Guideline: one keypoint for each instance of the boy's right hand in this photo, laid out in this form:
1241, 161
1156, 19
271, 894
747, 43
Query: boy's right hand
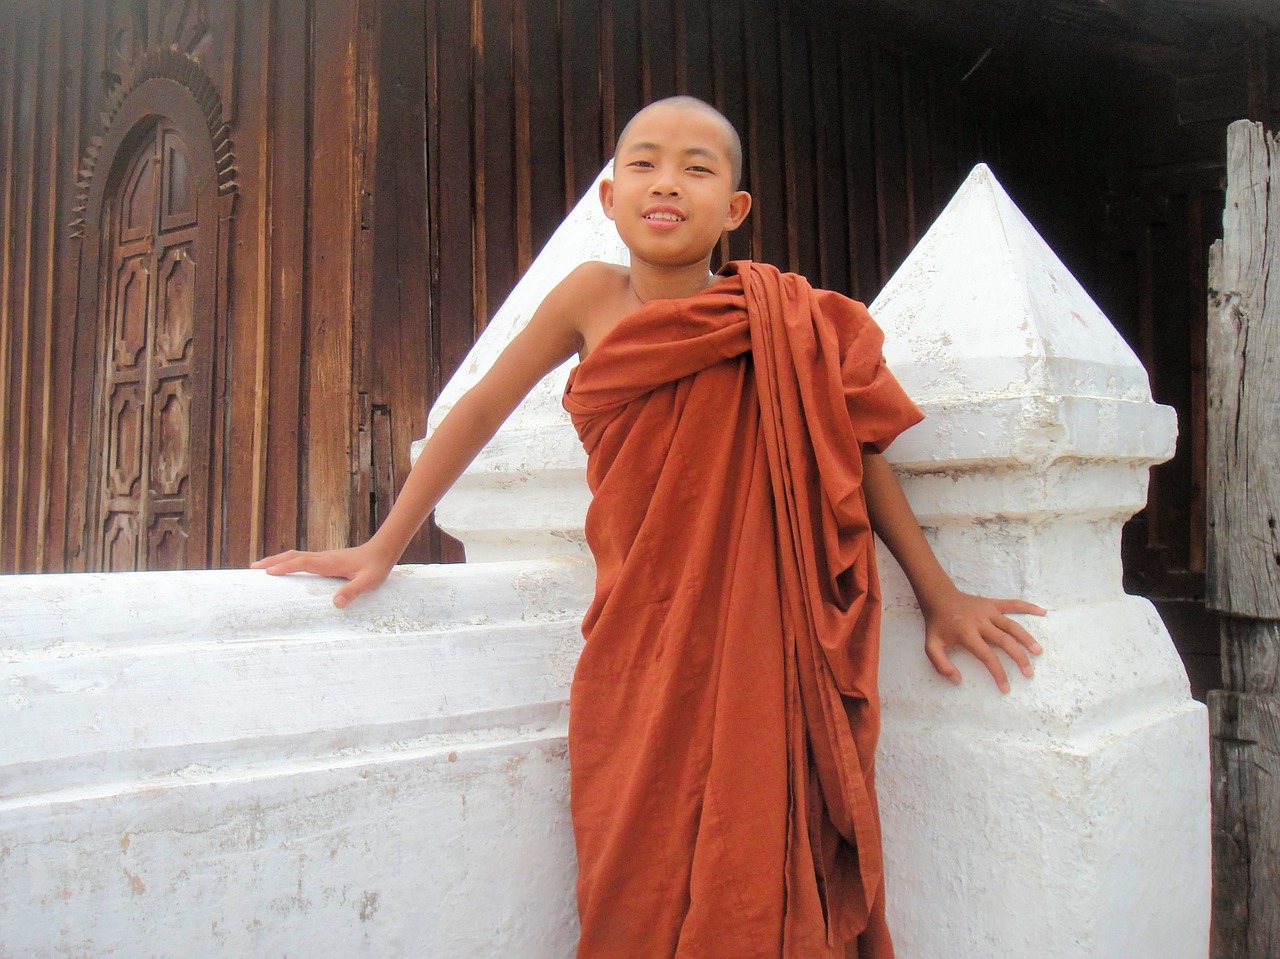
363, 567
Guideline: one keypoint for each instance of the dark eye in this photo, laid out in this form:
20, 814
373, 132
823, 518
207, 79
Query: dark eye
643, 164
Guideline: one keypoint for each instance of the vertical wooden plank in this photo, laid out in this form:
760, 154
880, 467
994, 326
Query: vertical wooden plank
644, 50
623, 72
432, 43
609, 119
891, 162
399, 381
724, 46
696, 56
585, 149
769, 244
449, 330
331, 202
479, 212
523, 185
681, 59
285, 26
49, 193
1244, 384
862, 206
8, 150
919, 139
831, 229
73, 93
83, 466
497, 158
24, 334
247, 479
1173, 358
944, 120
1245, 755
661, 45
1147, 351
546, 136
1243, 569
364, 159
1196, 307
797, 142
452, 164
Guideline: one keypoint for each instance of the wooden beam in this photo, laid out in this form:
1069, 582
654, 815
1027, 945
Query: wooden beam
1244, 384
1243, 358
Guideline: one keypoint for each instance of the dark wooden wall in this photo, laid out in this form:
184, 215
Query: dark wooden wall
396, 164
852, 146
1125, 179
292, 85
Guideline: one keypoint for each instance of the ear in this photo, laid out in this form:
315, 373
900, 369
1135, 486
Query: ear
739, 207
606, 197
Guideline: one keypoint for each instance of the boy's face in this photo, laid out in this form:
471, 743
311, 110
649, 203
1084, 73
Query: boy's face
672, 194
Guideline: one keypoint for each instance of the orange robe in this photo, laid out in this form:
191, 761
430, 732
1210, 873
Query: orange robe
724, 713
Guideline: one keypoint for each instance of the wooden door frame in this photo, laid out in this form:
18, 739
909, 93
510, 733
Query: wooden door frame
170, 87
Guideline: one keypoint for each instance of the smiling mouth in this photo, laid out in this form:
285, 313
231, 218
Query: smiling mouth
663, 216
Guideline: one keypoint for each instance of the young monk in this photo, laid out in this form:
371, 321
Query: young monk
724, 712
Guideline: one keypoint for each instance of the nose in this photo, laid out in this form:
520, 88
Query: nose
664, 184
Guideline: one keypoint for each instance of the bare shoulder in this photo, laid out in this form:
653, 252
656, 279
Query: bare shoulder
592, 299
588, 284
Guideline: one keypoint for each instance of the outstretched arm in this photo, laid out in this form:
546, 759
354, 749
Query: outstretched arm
550, 337
952, 618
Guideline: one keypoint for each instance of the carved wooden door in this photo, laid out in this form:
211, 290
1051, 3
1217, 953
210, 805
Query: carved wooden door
152, 391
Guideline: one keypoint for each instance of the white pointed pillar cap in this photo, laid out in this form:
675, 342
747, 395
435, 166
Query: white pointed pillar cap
988, 330
1061, 796
525, 496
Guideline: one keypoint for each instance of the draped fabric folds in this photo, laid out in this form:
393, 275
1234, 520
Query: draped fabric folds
724, 713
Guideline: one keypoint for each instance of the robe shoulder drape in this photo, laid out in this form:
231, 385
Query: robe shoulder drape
724, 713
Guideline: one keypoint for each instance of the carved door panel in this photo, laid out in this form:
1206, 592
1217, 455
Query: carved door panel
149, 382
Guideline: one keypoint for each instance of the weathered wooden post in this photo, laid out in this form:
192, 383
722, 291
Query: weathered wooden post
1244, 548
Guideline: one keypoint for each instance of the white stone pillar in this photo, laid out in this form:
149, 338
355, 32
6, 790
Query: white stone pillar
1070, 818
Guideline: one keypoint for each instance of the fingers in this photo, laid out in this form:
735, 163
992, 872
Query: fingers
937, 654
354, 587
998, 635
294, 561
987, 656
1014, 629
1018, 606
983, 628
267, 562
977, 647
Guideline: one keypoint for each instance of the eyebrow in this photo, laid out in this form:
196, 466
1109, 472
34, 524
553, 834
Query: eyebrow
691, 152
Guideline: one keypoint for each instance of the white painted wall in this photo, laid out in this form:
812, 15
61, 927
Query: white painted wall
224, 764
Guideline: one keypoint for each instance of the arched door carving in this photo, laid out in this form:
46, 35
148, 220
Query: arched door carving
152, 316
149, 375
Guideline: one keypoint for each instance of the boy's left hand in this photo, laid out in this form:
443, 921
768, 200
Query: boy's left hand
981, 626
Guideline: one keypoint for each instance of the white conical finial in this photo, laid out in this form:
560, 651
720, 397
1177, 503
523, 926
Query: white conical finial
1061, 796
526, 493
983, 307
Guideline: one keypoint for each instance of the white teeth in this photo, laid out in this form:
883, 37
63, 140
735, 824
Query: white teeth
670, 217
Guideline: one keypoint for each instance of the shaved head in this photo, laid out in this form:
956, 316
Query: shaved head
732, 142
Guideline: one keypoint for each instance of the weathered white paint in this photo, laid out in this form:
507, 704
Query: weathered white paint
223, 763
1069, 819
